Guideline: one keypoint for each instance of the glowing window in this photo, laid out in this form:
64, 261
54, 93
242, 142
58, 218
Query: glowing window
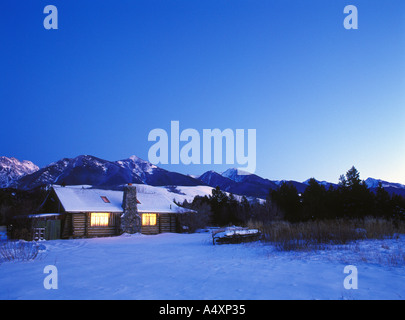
99, 219
149, 219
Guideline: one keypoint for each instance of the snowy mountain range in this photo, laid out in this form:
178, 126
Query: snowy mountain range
90, 170
390, 187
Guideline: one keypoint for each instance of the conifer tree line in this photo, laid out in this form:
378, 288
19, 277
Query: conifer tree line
350, 199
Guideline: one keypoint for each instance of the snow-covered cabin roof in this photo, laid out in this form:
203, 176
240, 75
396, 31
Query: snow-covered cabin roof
85, 199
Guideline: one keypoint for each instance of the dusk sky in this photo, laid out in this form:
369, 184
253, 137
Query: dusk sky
321, 98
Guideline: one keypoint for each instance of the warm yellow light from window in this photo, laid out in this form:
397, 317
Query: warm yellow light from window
149, 219
99, 219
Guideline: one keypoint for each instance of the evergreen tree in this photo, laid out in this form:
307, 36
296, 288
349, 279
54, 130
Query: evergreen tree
353, 177
383, 202
288, 200
314, 200
355, 197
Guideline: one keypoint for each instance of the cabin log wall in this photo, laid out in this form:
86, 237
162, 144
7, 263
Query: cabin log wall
164, 223
78, 225
67, 226
151, 229
167, 223
81, 226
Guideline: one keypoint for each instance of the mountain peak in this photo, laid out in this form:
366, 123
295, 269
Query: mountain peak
137, 165
11, 169
136, 158
11, 161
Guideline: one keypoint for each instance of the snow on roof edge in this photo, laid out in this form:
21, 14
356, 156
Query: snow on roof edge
76, 199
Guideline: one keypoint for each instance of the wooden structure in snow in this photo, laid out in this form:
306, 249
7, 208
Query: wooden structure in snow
235, 235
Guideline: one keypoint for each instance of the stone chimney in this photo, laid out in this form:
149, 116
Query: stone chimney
130, 219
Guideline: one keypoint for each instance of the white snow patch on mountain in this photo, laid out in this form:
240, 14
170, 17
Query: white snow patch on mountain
181, 193
235, 174
373, 183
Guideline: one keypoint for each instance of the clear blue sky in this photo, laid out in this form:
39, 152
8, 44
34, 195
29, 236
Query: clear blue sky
321, 98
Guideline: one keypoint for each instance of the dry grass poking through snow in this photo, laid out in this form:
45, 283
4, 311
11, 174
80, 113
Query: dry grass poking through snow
369, 240
382, 252
315, 235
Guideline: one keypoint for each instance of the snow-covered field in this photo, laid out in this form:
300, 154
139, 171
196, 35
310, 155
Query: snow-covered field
188, 266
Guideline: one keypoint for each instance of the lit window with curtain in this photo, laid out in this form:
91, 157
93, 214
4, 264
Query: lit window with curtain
149, 219
99, 219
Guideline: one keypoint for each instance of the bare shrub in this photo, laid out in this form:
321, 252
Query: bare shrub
18, 250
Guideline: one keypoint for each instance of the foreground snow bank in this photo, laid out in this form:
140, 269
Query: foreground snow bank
188, 266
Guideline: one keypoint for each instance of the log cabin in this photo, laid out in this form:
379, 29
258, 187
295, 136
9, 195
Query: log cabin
85, 212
